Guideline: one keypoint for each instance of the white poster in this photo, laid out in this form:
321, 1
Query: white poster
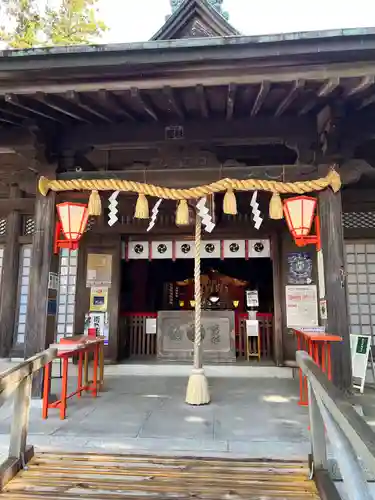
252, 328
360, 348
301, 305
151, 326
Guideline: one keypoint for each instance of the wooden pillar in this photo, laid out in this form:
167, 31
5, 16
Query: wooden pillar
9, 284
332, 237
41, 259
278, 351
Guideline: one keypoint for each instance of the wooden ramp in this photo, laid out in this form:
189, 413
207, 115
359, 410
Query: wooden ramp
51, 476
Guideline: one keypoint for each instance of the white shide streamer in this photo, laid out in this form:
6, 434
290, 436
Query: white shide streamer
112, 205
255, 211
154, 215
204, 214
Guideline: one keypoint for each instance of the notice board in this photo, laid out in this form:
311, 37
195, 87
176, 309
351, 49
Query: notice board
301, 305
99, 270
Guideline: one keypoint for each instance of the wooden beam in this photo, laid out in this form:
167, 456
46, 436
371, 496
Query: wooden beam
367, 101
363, 85
325, 90
22, 104
332, 240
173, 105
9, 120
246, 131
88, 105
36, 336
23, 205
116, 104
261, 97
61, 105
202, 100
231, 99
136, 95
188, 76
9, 281
292, 95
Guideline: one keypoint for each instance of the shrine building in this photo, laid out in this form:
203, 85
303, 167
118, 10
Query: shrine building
281, 115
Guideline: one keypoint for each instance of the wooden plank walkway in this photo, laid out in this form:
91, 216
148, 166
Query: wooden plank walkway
74, 476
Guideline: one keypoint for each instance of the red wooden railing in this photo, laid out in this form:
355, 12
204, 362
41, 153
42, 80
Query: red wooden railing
141, 344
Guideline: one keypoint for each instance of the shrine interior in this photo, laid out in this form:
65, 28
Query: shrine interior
148, 287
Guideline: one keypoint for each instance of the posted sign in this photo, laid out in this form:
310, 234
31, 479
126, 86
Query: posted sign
301, 306
360, 347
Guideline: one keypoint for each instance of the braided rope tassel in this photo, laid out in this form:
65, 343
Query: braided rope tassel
197, 293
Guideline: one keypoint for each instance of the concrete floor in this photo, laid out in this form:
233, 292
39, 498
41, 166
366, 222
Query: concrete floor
252, 417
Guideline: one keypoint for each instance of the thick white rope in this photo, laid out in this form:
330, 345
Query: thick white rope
197, 293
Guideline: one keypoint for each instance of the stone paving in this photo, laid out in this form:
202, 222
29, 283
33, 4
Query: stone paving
247, 417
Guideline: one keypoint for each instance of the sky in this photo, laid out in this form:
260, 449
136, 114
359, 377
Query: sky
138, 20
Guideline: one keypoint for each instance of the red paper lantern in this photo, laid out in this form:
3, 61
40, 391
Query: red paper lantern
299, 214
73, 220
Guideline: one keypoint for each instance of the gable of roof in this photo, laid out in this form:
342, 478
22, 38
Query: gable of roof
195, 19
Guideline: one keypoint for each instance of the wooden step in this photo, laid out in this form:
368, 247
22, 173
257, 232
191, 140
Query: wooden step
72, 476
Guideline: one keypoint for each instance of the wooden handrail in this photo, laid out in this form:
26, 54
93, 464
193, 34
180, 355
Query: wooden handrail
18, 380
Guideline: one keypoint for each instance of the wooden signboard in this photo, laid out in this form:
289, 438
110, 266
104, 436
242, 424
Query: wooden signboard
360, 348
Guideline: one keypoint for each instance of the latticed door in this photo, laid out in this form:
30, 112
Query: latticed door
360, 268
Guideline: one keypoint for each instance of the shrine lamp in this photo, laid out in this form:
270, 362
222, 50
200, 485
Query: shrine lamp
73, 220
299, 214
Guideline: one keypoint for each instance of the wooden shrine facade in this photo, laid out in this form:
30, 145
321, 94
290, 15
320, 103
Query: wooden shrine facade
180, 113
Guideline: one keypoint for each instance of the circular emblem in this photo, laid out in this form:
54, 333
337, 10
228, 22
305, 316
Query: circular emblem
138, 248
259, 247
300, 268
234, 247
190, 332
185, 248
210, 248
162, 248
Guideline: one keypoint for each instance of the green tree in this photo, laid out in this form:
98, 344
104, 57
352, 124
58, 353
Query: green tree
75, 22
26, 24
20, 23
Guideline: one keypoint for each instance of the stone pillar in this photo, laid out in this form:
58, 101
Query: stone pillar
332, 239
9, 284
41, 259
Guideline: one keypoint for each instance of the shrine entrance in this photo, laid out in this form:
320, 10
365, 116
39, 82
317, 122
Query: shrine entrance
157, 297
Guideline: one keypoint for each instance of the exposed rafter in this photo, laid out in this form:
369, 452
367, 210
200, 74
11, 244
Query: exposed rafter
136, 95
231, 99
292, 95
325, 90
116, 105
9, 119
261, 97
173, 105
25, 105
367, 101
61, 105
363, 85
202, 100
89, 105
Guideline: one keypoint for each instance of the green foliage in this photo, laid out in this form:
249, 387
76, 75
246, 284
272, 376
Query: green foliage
21, 23
75, 22
72, 22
